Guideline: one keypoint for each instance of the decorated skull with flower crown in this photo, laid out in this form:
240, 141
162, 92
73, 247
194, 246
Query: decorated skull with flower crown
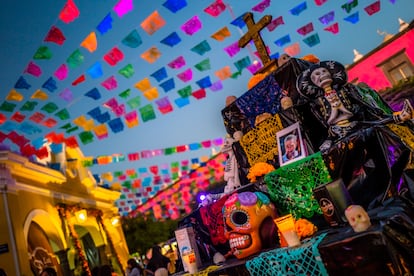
249, 225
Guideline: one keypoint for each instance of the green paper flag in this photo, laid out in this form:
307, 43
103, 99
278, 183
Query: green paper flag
147, 113
28, 106
50, 107
75, 59
43, 53
203, 65
63, 114
127, 71
185, 92
86, 137
125, 94
134, 102
8, 107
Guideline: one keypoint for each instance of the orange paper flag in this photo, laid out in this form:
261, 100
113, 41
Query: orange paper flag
151, 55
40, 95
223, 73
152, 23
221, 34
151, 94
143, 85
14, 96
90, 43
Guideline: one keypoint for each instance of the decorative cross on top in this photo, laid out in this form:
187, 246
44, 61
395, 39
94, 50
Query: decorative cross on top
253, 33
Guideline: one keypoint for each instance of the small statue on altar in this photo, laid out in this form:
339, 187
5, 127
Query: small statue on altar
231, 171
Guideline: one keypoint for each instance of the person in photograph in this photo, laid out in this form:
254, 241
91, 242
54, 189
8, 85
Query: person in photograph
291, 148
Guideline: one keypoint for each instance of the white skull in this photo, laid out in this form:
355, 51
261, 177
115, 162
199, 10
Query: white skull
358, 218
321, 77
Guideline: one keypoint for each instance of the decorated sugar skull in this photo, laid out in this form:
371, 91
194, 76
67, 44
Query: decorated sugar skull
321, 77
249, 226
358, 218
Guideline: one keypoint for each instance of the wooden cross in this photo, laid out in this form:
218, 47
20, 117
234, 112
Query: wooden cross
253, 33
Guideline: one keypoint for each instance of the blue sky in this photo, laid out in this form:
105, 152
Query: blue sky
24, 25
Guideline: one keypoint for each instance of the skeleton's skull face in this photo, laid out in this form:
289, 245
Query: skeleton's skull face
358, 218
283, 59
244, 213
321, 77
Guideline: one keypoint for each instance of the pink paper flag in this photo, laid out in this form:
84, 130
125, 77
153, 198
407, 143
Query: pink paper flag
306, 29
261, 6
185, 76
123, 7
69, 12
334, 28
191, 26
373, 8
33, 69
177, 63
233, 49
254, 67
276, 22
110, 83
216, 8
320, 2
111, 104
293, 49
62, 72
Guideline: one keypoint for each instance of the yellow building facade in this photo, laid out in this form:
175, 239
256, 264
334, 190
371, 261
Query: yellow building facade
58, 218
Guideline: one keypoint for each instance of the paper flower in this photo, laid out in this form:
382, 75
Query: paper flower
259, 169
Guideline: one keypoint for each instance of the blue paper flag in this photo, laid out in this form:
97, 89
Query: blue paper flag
353, 18
180, 102
168, 85
327, 18
175, 5
105, 25
283, 40
22, 84
95, 71
93, 93
116, 125
160, 74
239, 22
204, 82
299, 8
50, 85
171, 40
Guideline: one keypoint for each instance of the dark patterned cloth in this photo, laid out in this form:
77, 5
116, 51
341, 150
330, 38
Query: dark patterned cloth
263, 98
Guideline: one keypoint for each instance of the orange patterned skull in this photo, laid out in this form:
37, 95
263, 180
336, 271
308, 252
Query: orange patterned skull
248, 218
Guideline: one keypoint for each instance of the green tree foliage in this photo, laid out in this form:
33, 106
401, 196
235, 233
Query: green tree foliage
142, 233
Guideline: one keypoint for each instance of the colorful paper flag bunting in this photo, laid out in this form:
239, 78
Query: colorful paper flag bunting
50, 107
203, 65
239, 21
232, 49
50, 85
293, 50
223, 73
175, 5
110, 83
127, 71
33, 69
131, 119
151, 55
168, 85
353, 18
261, 6
62, 72
275, 23
191, 26
153, 23
186, 76
55, 35
312, 40
181, 102
14, 96
334, 28
242, 63
201, 48
221, 34
164, 105
327, 18
132, 40
28, 106
69, 12
134, 102
93, 94
40, 95
43, 52
116, 125
151, 94
171, 40
147, 113
216, 8
90, 43
114, 56
349, 5
204, 82
105, 25
373, 8
63, 114
86, 137
160, 74
177, 63
66, 95
199, 94
299, 8
79, 80
320, 2
185, 92
304, 30
283, 41
18, 117
143, 85
123, 7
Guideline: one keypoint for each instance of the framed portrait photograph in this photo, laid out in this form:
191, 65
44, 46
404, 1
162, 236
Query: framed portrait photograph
290, 144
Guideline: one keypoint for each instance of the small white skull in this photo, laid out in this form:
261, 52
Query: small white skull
358, 218
321, 77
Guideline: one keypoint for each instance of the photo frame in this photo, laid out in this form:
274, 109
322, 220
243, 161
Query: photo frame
290, 144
